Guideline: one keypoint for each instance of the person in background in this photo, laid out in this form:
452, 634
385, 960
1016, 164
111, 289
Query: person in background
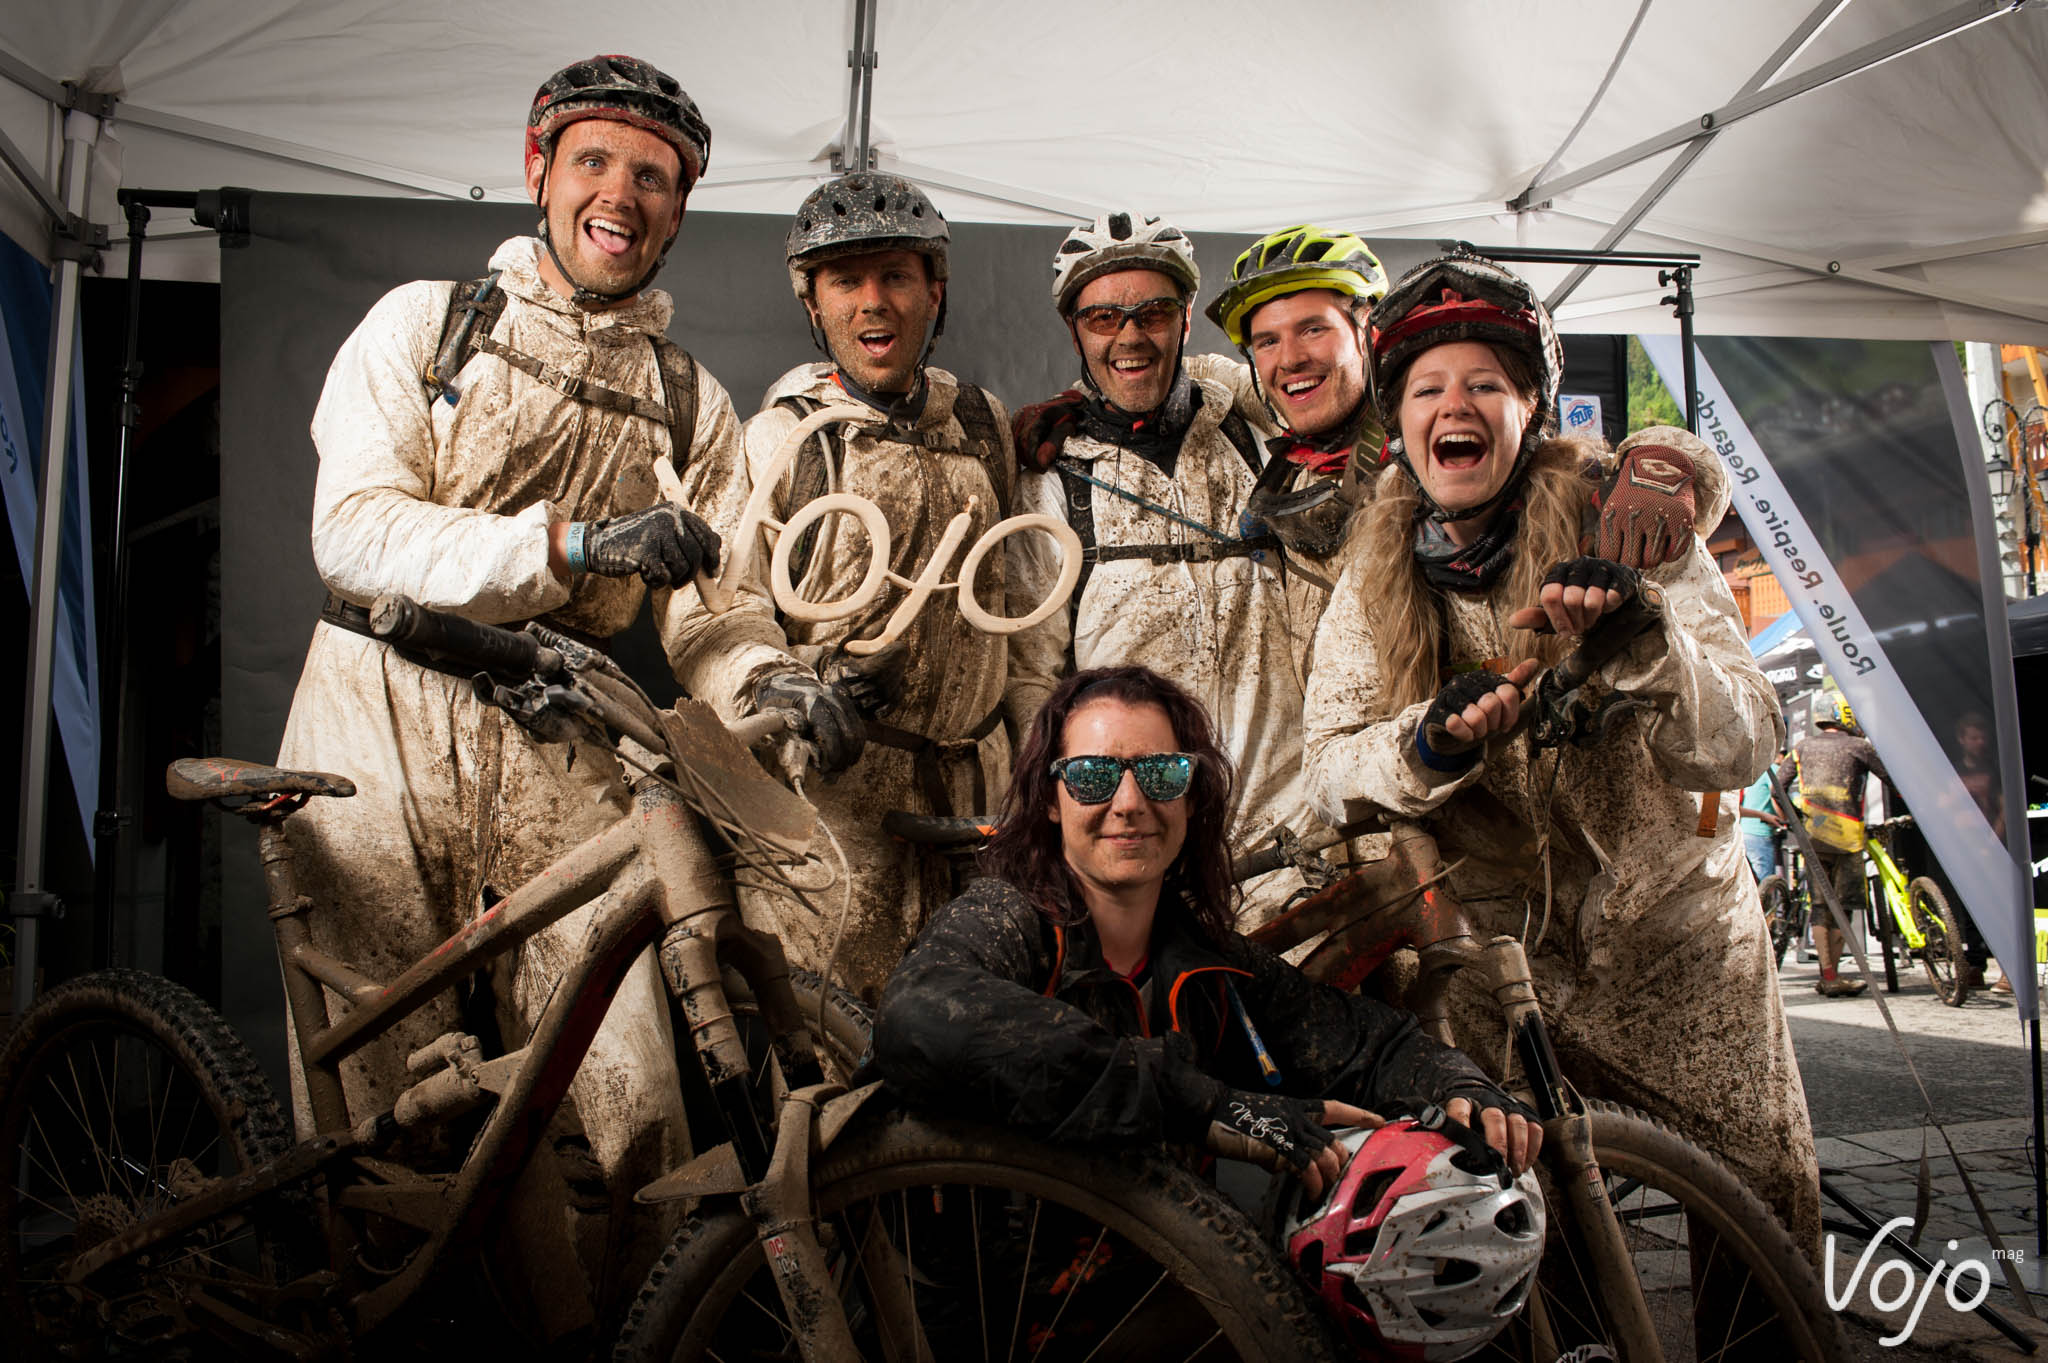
1761, 823
1830, 767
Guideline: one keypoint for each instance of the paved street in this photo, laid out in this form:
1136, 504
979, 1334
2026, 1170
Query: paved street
1974, 1062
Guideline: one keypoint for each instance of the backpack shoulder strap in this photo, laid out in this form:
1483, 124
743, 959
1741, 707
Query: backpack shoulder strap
679, 390
1080, 497
809, 478
474, 306
1239, 433
977, 420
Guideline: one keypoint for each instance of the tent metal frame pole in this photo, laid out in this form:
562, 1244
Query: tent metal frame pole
1674, 271
1946, 24
1818, 18
856, 151
31, 902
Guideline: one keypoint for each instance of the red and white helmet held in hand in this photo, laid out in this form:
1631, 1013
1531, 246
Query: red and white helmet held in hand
1420, 1254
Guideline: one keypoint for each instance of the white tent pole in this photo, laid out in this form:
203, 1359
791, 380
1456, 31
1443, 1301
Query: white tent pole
31, 902
1952, 250
1819, 17
1944, 25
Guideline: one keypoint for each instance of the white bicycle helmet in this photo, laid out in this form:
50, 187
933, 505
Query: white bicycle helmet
1417, 1256
1122, 241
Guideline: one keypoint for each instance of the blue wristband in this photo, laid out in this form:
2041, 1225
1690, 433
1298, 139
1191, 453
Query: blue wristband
572, 548
1444, 762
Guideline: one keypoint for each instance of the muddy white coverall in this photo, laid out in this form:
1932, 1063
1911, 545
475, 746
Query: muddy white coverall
957, 677
1221, 626
1654, 969
450, 504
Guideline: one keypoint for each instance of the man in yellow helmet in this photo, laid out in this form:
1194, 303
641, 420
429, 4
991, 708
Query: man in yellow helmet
1830, 767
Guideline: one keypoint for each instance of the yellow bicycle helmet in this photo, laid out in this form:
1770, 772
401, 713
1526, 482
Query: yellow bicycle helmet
1290, 260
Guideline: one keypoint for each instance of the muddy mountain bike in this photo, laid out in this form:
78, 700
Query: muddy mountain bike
156, 1206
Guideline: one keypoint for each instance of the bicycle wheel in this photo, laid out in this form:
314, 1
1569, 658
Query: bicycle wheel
121, 1094
1723, 1279
952, 1241
1943, 954
1777, 902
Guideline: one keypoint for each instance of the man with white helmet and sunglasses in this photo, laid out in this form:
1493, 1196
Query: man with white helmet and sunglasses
1154, 476
489, 448
868, 260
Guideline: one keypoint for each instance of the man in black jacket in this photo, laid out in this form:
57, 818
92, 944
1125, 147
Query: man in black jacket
1092, 992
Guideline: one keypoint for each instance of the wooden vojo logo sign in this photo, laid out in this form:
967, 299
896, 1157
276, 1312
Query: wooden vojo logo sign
718, 595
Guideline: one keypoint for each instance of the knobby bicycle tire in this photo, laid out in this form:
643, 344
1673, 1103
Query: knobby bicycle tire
1942, 957
1778, 915
992, 1240
1724, 1280
122, 1093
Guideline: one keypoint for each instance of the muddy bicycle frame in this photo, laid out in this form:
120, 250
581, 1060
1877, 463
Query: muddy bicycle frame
650, 877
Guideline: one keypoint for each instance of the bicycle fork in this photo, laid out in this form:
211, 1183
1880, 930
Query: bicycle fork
774, 1184
1568, 1142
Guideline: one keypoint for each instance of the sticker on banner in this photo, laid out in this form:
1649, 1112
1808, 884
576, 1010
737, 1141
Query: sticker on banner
1578, 415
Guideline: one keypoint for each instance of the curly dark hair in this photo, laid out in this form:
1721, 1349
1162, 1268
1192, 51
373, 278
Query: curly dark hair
1025, 849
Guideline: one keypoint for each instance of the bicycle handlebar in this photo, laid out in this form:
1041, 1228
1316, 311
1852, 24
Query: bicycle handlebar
938, 830
405, 623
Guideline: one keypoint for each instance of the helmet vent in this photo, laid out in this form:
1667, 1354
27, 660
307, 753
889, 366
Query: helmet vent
1437, 1220
1513, 1219
1071, 247
1451, 1272
839, 208
1373, 1191
917, 210
1358, 1243
1120, 226
881, 203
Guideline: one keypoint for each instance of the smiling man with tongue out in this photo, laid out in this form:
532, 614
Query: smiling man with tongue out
489, 448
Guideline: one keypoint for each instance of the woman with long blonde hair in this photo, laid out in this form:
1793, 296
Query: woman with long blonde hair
1489, 551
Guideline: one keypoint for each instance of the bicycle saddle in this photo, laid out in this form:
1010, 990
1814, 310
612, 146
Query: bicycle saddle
214, 778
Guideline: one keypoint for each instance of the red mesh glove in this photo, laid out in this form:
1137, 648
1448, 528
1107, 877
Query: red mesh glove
1041, 430
1645, 508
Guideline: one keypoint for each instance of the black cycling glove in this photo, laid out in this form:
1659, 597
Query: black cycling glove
1293, 1128
1595, 572
827, 716
1433, 741
664, 544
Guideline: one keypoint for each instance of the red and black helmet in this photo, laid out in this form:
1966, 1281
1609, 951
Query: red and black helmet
1465, 297
626, 90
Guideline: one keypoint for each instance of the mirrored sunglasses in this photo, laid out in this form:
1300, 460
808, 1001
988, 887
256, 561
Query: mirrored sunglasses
1093, 779
1107, 319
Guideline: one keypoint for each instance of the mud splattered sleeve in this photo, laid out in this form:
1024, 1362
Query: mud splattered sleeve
718, 657
1355, 768
965, 1029
1714, 723
376, 526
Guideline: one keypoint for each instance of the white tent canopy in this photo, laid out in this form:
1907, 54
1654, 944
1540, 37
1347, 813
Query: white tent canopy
1905, 197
